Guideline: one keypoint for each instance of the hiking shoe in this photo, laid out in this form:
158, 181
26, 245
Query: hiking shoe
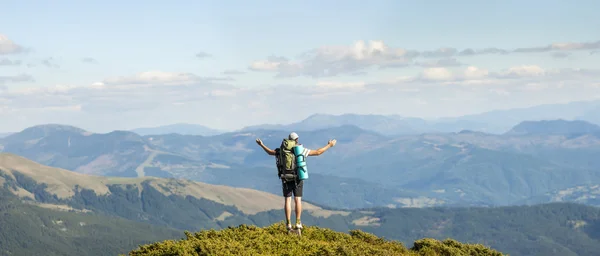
289, 227
298, 225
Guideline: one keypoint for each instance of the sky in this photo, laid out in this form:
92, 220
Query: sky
119, 65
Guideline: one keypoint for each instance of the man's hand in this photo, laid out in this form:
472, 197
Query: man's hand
265, 148
322, 150
332, 142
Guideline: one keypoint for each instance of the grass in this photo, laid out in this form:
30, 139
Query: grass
274, 240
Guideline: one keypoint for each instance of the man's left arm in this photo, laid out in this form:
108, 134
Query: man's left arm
318, 152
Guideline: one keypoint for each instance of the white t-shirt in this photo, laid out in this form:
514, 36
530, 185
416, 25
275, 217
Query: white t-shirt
305, 152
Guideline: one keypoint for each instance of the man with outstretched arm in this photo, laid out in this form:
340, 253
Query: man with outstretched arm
292, 187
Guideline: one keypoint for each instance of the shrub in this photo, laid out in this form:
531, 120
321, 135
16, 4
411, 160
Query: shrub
274, 240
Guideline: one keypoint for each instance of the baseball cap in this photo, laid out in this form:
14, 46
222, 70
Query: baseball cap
293, 136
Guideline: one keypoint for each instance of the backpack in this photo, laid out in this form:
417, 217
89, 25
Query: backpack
286, 160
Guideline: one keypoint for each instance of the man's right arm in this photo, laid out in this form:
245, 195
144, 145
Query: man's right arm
265, 148
322, 150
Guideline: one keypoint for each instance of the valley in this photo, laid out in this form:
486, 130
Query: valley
365, 169
118, 213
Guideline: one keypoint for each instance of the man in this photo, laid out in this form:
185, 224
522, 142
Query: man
295, 187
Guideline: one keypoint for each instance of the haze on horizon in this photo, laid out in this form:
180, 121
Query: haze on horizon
113, 65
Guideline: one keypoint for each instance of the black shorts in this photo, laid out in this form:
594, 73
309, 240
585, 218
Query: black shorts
292, 187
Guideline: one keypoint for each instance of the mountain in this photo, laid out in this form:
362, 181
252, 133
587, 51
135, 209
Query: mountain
216, 159
180, 204
252, 240
389, 125
386, 125
364, 169
180, 128
585, 194
494, 122
550, 127
47, 230
116, 153
173, 204
4, 134
544, 229
503, 120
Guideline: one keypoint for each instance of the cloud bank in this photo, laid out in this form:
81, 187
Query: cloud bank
161, 97
9, 47
328, 61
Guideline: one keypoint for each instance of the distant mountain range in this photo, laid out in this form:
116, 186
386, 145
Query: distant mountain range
502, 120
494, 122
554, 127
181, 128
54, 211
365, 168
391, 125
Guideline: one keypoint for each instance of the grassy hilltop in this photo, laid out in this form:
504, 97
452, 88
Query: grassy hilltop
274, 240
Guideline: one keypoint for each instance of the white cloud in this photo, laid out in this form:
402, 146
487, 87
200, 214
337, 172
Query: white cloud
7, 62
50, 62
233, 72
340, 85
89, 60
334, 60
475, 73
437, 74
9, 47
327, 61
447, 62
169, 97
524, 71
270, 64
534, 87
499, 91
203, 55
440, 53
563, 46
16, 78
154, 77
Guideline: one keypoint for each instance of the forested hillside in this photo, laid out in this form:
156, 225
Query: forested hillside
545, 229
27, 229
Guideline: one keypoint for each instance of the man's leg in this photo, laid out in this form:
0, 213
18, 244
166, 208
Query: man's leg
298, 202
287, 205
288, 210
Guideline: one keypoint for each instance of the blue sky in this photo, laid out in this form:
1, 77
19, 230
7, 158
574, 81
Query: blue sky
303, 51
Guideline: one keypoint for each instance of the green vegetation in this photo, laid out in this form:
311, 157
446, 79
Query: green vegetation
27, 229
274, 240
546, 229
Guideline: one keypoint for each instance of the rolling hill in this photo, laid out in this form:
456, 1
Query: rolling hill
215, 159
365, 169
117, 212
40, 229
203, 205
585, 194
